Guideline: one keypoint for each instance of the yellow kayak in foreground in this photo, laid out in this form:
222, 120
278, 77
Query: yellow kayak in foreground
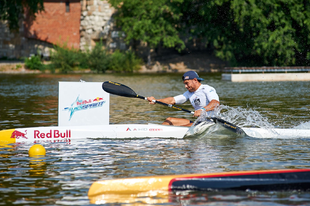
129, 189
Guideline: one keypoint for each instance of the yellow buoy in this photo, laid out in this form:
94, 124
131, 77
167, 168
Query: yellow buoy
36, 150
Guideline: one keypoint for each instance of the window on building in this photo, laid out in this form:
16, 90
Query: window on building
114, 34
67, 6
113, 45
122, 46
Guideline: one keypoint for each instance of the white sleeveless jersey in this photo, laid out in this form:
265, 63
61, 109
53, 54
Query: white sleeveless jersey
199, 98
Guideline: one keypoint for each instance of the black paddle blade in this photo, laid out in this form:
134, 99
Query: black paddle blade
118, 89
229, 126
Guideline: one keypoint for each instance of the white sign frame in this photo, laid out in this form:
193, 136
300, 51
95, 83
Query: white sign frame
83, 103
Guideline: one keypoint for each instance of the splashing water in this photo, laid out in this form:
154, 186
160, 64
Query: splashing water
205, 116
201, 124
304, 125
243, 117
238, 116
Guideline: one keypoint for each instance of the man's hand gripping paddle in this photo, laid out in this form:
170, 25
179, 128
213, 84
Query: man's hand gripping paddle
125, 91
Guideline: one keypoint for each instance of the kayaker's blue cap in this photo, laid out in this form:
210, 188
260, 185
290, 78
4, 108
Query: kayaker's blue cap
191, 75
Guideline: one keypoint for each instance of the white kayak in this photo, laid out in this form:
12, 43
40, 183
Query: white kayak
83, 112
276, 133
57, 133
199, 129
116, 131
120, 131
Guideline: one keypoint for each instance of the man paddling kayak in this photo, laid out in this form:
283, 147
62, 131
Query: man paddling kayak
201, 96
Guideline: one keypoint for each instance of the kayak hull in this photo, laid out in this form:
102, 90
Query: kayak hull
67, 133
276, 133
119, 131
264, 180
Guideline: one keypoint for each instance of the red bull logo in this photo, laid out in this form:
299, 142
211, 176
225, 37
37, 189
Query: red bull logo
98, 99
17, 134
83, 104
52, 134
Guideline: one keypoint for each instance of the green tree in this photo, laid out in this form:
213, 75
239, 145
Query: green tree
98, 59
243, 32
124, 62
150, 21
13, 11
251, 32
34, 63
66, 59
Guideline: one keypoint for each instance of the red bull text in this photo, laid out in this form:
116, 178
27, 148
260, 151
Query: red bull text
52, 134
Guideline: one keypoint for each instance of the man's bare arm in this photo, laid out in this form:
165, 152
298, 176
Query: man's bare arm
211, 106
168, 100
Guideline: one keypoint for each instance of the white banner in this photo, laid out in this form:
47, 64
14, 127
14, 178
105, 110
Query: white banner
82, 103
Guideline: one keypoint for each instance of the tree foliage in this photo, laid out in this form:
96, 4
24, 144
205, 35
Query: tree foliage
65, 58
13, 11
244, 32
98, 59
150, 21
271, 32
124, 62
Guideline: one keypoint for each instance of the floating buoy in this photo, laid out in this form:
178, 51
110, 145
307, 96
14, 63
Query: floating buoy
37, 150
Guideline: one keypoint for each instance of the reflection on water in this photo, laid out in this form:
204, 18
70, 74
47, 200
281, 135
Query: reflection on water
64, 176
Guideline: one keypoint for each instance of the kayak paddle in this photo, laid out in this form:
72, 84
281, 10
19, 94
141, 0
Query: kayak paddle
125, 91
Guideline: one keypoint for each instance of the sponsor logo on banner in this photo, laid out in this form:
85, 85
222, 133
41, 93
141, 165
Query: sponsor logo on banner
143, 129
65, 140
155, 130
52, 134
17, 134
84, 104
136, 129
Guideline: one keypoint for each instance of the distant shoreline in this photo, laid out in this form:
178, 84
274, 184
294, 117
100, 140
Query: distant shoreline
201, 61
16, 67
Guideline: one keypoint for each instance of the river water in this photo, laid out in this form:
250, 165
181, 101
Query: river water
65, 174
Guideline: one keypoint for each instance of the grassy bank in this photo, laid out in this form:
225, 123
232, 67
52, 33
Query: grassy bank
98, 60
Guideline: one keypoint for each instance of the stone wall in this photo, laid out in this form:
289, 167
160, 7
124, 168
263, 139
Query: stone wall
8, 42
13, 45
97, 24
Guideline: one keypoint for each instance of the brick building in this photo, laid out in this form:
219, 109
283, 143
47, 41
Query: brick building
77, 23
59, 23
